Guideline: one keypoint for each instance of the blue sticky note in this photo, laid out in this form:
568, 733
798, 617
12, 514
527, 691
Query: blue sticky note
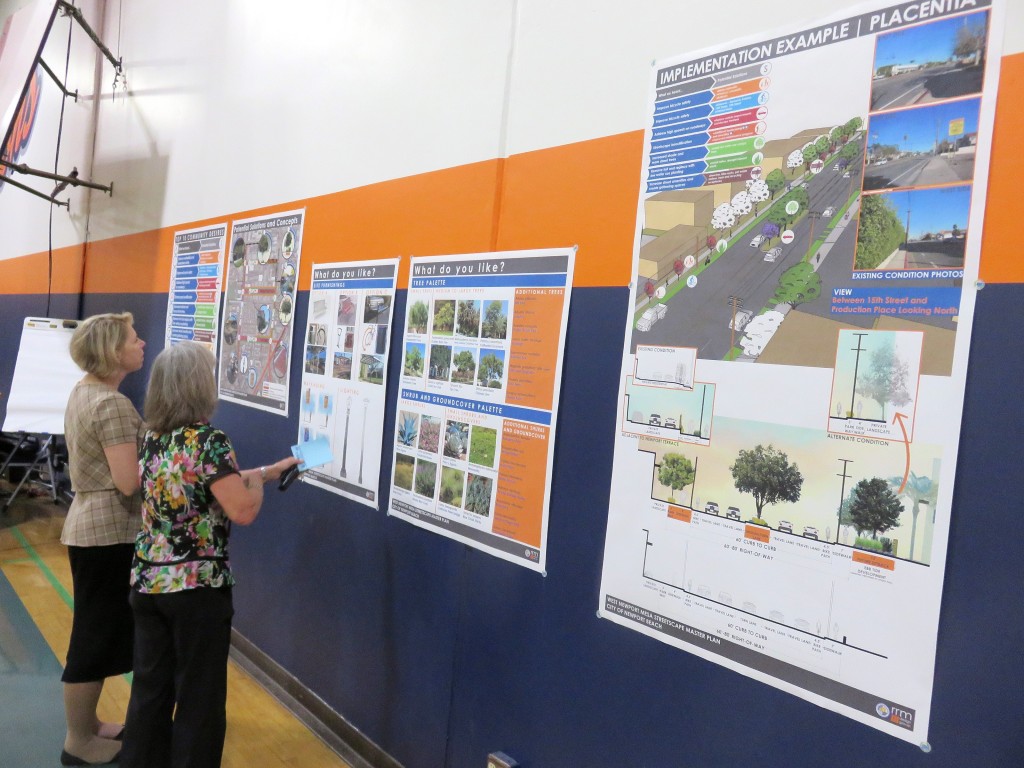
313, 454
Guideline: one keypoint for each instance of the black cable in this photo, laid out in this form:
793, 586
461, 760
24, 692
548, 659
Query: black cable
56, 166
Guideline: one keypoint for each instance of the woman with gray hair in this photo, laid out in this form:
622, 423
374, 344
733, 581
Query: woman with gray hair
101, 427
192, 490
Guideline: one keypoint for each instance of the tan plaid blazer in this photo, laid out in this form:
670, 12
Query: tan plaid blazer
97, 417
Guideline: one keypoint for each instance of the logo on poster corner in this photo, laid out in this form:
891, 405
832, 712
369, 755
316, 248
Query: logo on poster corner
895, 715
24, 121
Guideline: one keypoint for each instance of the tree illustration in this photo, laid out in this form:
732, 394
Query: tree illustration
844, 511
795, 159
809, 154
465, 365
836, 135
676, 472
440, 361
469, 318
418, 317
921, 490
801, 196
798, 285
886, 378
491, 369
444, 316
770, 229
767, 475
724, 217
821, 146
875, 507
741, 203
776, 182
413, 361
495, 321
757, 192
848, 152
777, 213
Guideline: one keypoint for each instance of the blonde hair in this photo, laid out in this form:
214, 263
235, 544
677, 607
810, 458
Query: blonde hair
97, 342
182, 389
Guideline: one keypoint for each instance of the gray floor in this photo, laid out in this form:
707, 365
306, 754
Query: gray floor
31, 712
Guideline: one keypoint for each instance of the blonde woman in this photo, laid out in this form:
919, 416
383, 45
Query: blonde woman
192, 490
102, 428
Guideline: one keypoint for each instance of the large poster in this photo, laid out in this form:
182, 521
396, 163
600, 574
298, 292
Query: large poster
193, 302
478, 400
259, 303
344, 373
807, 244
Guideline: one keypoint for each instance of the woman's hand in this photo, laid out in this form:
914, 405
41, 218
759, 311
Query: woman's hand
241, 495
278, 468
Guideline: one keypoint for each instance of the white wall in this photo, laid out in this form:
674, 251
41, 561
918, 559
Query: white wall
582, 69
237, 104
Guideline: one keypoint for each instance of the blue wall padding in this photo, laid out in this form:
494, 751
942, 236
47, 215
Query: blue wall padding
441, 654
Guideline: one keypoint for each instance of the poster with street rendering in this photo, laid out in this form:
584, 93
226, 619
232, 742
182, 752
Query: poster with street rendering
344, 373
805, 265
259, 304
478, 398
197, 272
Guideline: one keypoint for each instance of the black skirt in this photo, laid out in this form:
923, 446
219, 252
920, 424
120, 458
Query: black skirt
102, 630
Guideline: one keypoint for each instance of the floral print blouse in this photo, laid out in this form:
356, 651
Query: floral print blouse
184, 539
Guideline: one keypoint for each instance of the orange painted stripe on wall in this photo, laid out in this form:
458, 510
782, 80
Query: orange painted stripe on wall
1001, 260
581, 194
29, 274
449, 211
139, 263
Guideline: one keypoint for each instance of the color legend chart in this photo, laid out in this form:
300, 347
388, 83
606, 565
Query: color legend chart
197, 271
708, 130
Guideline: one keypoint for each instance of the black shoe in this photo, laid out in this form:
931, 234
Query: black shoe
66, 758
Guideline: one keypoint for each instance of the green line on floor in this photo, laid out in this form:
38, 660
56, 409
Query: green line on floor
35, 558
44, 568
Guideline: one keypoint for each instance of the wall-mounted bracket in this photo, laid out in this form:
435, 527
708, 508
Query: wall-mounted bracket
36, 192
69, 10
56, 80
71, 179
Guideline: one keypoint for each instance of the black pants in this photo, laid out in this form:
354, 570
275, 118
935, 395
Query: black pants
176, 714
